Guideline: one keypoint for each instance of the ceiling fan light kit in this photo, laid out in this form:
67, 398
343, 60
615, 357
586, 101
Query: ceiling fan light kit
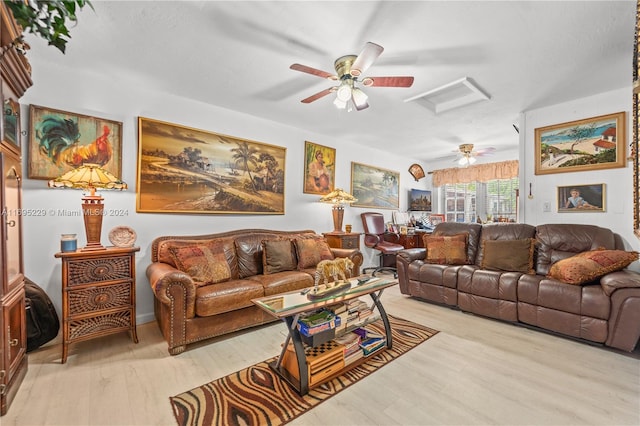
348, 69
468, 155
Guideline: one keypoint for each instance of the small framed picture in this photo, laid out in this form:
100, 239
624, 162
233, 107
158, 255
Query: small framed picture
436, 219
319, 168
581, 198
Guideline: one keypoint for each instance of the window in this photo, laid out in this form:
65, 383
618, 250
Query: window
494, 200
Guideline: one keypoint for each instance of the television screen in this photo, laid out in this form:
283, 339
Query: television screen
420, 200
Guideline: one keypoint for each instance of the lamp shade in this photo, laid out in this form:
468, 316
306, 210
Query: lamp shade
91, 177
88, 176
338, 196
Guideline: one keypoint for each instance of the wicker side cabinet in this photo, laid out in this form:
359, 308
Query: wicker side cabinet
98, 294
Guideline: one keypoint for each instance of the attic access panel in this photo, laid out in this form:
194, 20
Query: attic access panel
456, 94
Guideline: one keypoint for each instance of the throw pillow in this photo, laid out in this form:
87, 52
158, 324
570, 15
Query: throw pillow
508, 255
277, 256
307, 252
446, 249
321, 244
203, 265
590, 265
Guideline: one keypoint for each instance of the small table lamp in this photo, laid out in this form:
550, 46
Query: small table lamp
338, 197
91, 177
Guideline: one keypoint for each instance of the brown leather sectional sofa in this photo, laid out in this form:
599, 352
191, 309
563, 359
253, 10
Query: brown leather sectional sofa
605, 311
188, 311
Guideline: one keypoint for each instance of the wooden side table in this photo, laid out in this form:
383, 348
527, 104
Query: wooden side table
343, 240
98, 294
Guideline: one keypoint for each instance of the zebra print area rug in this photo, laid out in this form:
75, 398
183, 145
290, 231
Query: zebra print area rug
257, 396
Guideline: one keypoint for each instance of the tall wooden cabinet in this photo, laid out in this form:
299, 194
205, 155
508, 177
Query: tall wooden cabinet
15, 79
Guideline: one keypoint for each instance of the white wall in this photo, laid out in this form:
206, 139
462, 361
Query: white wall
618, 182
107, 97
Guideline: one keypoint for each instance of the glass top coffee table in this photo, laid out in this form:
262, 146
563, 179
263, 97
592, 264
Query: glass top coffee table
289, 306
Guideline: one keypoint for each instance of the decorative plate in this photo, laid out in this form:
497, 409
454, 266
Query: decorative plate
122, 236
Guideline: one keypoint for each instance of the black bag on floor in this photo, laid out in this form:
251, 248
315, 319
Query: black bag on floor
42, 320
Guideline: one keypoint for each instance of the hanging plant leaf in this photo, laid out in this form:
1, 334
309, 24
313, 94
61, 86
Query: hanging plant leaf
47, 19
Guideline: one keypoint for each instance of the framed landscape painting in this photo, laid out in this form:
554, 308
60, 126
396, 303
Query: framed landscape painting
420, 200
581, 198
375, 187
186, 170
590, 144
319, 169
60, 141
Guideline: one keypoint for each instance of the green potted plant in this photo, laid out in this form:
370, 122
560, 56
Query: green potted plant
48, 19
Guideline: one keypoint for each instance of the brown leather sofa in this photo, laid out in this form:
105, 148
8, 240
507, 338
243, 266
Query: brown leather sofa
188, 311
605, 311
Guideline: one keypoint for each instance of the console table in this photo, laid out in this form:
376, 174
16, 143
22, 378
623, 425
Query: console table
289, 306
98, 294
412, 240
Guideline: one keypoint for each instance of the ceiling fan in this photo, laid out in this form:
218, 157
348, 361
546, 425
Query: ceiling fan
466, 154
349, 70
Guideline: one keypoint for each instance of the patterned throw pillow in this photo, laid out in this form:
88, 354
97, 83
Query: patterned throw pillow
323, 248
308, 253
204, 266
590, 265
508, 255
446, 249
277, 256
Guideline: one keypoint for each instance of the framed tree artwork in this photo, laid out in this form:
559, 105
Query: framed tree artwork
186, 170
590, 144
319, 169
375, 187
60, 141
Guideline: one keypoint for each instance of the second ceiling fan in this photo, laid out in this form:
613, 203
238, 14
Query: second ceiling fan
349, 70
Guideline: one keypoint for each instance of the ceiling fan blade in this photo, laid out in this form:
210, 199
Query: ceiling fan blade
318, 95
388, 81
313, 71
485, 151
369, 54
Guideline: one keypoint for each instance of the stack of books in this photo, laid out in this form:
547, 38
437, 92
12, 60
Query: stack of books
357, 311
352, 350
318, 322
318, 327
370, 341
340, 311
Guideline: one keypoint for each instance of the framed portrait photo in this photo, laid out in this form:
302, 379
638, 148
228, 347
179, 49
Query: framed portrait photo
319, 169
590, 144
581, 198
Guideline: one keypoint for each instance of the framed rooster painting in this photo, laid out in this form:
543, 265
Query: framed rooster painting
60, 141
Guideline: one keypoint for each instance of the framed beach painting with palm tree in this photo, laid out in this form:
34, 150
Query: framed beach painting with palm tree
375, 187
186, 170
590, 144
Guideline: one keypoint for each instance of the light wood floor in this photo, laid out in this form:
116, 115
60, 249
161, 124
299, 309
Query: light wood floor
475, 371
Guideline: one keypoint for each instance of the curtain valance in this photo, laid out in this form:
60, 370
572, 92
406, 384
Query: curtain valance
479, 173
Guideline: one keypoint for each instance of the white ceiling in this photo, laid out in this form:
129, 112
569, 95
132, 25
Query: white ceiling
236, 54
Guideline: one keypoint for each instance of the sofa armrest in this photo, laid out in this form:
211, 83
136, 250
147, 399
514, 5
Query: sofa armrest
403, 259
623, 287
172, 287
618, 280
354, 255
409, 255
